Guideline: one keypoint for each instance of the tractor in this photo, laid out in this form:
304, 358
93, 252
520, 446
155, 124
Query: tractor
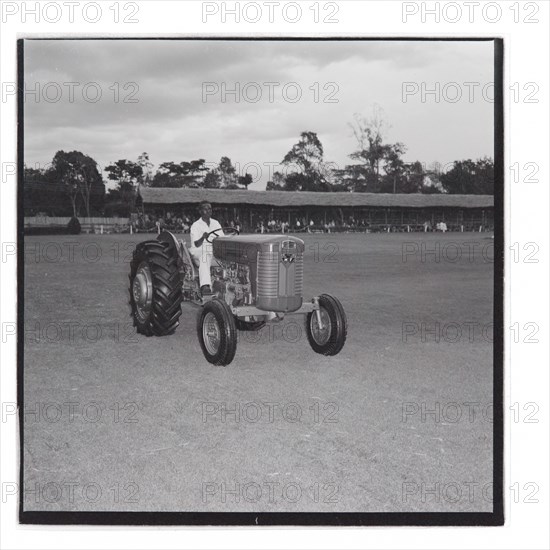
256, 279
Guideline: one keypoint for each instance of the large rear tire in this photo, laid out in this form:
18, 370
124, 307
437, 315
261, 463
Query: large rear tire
217, 332
155, 288
330, 339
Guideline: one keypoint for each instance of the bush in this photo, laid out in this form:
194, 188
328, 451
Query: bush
74, 226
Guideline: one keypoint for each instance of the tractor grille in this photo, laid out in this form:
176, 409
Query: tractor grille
280, 277
299, 278
277, 278
268, 275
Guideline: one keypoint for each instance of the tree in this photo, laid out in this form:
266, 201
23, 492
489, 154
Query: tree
414, 178
277, 184
485, 171
79, 176
71, 184
43, 193
183, 175
147, 169
65, 166
194, 173
307, 153
168, 175
127, 174
373, 155
212, 180
368, 133
228, 174
395, 178
470, 177
91, 179
297, 181
245, 180
33, 174
432, 179
225, 176
307, 156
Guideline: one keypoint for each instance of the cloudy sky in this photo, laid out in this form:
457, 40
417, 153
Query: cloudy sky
175, 109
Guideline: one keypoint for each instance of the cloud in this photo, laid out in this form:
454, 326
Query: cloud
152, 97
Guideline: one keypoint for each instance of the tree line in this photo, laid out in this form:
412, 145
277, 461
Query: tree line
378, 167
73, 184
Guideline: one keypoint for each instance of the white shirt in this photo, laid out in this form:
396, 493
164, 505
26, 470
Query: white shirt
197, 231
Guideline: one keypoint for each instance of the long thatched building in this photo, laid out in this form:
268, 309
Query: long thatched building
250, 208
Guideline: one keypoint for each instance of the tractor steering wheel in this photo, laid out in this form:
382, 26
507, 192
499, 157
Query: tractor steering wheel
231, 230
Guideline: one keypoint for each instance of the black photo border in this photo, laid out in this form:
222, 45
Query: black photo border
494, 518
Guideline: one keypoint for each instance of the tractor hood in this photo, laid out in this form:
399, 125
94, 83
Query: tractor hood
245, 248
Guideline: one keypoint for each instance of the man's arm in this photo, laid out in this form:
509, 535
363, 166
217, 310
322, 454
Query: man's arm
215, 224
199, 242
196, 238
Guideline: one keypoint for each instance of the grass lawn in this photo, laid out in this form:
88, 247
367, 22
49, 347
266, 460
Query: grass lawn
400, 420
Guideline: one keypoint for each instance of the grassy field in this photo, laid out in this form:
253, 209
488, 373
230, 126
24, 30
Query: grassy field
401, 420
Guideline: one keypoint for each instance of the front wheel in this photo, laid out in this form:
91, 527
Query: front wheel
217, 332
329, 337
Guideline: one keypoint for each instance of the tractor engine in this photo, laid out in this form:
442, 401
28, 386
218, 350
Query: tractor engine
231, 282
265, 271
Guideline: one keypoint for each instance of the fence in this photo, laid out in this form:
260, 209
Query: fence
116, 225
87, 224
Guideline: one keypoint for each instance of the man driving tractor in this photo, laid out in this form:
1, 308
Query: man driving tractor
201, 249
257, 279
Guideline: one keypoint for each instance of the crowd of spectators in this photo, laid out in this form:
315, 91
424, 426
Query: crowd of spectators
148, 223
315, 226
